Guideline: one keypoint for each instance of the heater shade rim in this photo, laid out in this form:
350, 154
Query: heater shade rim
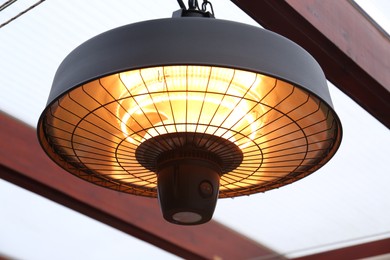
189, 41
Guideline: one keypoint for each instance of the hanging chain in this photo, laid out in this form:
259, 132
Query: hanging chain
193, 5
204, 6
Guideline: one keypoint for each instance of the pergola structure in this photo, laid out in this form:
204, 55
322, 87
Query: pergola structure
336, 33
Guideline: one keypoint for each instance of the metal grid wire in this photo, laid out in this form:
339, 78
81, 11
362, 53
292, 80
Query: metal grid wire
283, 132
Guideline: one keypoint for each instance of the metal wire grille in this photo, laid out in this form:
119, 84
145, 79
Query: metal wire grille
284, 132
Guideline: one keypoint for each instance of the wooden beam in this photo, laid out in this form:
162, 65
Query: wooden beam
23, 162
375, 248
353, 52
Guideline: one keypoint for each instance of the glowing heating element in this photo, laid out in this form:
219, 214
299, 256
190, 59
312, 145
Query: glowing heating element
190, 99
283, 132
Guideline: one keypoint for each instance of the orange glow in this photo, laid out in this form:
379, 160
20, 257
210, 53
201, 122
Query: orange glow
189, 99
282, 130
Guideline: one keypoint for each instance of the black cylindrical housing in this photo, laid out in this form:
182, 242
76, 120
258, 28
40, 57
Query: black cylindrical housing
188, 190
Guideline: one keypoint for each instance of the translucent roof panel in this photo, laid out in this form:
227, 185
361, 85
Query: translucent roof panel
345, 202
378, 10
33, 227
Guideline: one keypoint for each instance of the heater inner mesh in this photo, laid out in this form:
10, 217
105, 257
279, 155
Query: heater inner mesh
283, 132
